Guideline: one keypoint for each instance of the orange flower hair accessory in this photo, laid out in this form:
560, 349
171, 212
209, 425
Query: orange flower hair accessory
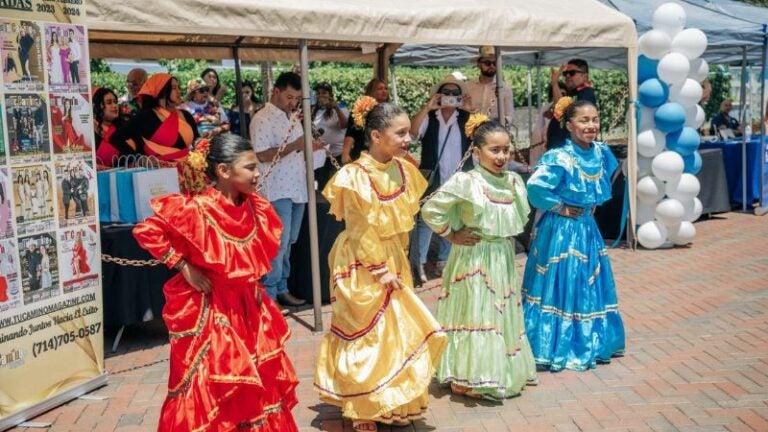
361, 109
193, 168
562, 104
474, 122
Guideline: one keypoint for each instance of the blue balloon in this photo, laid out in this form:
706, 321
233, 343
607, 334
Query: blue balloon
684, 141
653, 93
692, 163
646, 69
669, 117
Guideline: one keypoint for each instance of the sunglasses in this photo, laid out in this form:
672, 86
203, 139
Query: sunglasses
456, 92
487, 63
570, 73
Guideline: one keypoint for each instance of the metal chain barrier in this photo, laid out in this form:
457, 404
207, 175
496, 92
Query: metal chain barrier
464, 158
129, 262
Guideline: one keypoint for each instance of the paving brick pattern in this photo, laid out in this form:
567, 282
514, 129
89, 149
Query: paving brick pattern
697, 356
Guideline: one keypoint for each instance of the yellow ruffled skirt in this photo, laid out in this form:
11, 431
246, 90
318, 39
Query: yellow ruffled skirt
379, 357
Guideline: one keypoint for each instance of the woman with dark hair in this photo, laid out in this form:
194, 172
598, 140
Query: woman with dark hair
354, 140
106, 120
211, 78
54, 60
251, 105
232, 371
159, 130
569, 296
330, 121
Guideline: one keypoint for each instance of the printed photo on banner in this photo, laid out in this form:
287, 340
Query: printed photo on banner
6, 218
10, 289
33, 198
65, 53
71, 126
78, 258
39, 267
76, 192
3, 146
22, 54
26, 117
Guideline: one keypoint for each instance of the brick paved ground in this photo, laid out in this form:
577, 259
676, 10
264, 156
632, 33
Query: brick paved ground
697, 340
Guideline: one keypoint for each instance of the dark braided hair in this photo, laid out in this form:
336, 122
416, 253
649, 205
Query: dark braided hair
380, 118
570, 112
481, 133
225, 148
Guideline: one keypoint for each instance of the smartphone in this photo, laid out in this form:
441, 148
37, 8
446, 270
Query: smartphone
450, 101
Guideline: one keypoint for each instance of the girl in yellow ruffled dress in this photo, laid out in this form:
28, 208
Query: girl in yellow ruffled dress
379, 357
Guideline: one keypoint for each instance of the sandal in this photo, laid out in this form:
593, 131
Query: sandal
364, 426
458, 389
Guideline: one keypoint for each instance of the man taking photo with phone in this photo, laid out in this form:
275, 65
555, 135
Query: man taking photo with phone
439, 126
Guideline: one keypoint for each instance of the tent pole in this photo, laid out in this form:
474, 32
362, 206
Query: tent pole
393, 82
499, 86
312, 204
530, 107
744, 119
762, 209
239, 88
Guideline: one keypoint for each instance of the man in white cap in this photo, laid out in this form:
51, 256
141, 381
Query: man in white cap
483, 91
439, 126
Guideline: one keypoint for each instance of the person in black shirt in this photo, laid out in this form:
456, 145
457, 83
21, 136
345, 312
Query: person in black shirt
577, 84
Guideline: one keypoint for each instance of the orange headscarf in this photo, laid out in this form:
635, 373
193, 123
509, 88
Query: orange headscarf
155, 84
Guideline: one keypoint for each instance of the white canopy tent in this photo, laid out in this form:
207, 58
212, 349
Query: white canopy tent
359, 30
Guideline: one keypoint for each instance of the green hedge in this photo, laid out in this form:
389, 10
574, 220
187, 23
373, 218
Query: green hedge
413, 84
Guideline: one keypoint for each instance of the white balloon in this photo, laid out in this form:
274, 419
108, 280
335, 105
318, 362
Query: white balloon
652, 234
646, 118
690, 42
683, 188
682, 233
654, 44
645, 213
650, 190
693, 209
667, 166
686, 94
669, 17
651, 142
673, 68
694, 116
670, 212
644, 166
699, 70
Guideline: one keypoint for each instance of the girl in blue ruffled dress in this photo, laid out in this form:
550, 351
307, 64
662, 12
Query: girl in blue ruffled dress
569, 295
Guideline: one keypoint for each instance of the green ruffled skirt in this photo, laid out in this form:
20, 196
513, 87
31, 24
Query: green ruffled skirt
480, 310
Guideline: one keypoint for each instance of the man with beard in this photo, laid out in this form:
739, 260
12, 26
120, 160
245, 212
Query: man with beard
483, 91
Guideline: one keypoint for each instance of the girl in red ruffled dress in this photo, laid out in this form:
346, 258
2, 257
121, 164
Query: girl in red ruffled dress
229, 369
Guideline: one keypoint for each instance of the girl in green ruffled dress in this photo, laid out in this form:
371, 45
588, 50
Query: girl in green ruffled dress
488, 355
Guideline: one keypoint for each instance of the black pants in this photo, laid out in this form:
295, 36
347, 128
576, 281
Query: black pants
73, 70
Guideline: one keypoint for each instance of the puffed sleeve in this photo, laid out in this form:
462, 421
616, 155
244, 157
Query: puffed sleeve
441, 211
154, 235
542, 186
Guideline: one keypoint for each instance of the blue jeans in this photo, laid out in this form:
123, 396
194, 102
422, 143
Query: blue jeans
425, 237
290, 213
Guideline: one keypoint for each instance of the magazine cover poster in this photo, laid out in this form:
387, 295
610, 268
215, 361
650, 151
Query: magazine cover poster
10, 289
26, 118
22, 55
33, 198
78, 258
39, 267
71, 126
6, 218
76, 193
3, 146
65, 52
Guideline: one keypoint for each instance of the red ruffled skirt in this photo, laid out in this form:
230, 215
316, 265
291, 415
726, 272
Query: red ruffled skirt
229, 370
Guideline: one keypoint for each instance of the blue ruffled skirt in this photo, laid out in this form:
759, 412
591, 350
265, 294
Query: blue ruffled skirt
569, 296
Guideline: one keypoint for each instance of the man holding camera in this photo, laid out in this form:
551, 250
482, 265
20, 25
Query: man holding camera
440, 128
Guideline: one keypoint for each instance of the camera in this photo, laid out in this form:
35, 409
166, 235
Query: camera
450, 101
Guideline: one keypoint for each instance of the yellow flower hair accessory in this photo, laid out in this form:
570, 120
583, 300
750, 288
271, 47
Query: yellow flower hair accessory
361, 109
562, 104
193, 168
474, 122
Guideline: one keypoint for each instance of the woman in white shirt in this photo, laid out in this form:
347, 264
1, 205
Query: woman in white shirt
330, 119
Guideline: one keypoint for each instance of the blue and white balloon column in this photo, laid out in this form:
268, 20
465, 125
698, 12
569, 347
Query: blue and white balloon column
669, 75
